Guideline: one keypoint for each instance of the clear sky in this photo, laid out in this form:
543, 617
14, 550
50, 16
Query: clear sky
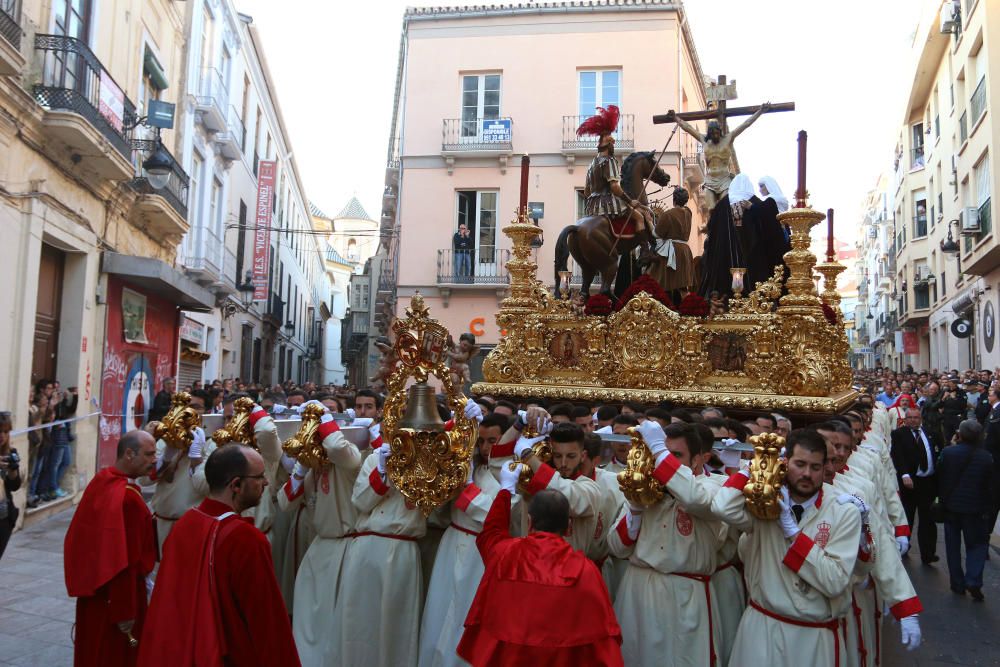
845, 65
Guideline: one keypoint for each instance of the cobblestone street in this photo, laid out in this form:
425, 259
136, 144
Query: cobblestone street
36, 617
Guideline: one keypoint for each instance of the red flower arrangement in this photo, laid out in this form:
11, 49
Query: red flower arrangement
693, 305
830, 315
598, 304
646, 284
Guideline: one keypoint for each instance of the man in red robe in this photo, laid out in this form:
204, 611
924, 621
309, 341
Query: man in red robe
110, 548
539, 601
216, 600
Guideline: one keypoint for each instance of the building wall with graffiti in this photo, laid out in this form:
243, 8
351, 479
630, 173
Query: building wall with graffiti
140, 350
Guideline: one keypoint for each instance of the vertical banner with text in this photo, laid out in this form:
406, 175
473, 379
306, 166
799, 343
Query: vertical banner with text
262, 231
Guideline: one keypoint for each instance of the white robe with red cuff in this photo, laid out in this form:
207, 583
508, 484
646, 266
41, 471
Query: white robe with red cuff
457, 571
380, 597
612, 568
883, 572
587, 523
873, 460
729, 594
664, 604
314, 620
799, 591
172, 498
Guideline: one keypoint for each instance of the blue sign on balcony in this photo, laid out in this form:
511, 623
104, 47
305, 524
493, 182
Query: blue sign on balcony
496, 131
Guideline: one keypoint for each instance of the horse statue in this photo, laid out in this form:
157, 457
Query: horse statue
595, 247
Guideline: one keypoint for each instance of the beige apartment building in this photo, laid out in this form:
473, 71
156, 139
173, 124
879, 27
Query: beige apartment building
945, 241
93, 298
478, 88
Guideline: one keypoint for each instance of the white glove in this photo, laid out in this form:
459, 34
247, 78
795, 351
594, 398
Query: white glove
351, 413
903, 543
523, 444
197, 444
302, 408
654, 437
789, 526
633, 521
604, 429
508, 478
288, 463
326, 418
299, 471
473, 411
374, 432
472, 472
910, 629
845, 498
545, 427
363, 422
522, 415
278, 409
383, 456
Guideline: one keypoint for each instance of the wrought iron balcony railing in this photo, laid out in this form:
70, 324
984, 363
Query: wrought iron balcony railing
10, 24
624, 137
176, 189
73, 79
477, 134
919, 226
480, 266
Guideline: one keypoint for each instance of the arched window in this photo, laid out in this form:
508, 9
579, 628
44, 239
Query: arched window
352, 249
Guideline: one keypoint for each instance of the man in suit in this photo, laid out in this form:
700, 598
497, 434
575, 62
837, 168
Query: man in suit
993, 447
914, 453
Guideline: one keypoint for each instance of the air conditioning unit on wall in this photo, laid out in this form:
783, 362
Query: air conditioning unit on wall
968, 220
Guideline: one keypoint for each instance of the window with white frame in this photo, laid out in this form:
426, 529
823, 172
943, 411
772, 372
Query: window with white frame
480, 101
598, 88
981, 175
478, 210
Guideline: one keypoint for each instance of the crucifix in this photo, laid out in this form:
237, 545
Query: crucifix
717, 142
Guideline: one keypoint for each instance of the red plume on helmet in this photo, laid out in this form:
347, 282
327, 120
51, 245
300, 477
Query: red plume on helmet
605, 121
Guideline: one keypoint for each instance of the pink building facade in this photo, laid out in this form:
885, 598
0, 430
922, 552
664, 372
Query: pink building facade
482, 87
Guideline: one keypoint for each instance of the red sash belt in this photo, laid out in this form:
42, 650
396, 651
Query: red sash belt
463, 530
364, 533
862, 651
706, 581
831, 625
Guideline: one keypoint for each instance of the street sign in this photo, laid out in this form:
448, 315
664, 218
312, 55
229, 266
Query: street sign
160, 114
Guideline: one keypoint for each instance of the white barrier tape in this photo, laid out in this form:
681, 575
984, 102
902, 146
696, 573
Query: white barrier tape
39, 427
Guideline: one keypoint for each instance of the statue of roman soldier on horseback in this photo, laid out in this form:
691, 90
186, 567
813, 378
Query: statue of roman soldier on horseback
618, 216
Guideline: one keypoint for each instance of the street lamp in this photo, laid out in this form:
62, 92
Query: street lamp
949, 245
158, 167
246, 290
870, 316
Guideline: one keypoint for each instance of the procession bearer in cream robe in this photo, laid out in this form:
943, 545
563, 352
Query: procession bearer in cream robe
458, 566
328, 490
380, 599
664, 603
175, 485
798, 567
880, 568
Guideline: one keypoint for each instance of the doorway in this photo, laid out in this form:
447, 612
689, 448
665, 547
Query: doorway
48, 310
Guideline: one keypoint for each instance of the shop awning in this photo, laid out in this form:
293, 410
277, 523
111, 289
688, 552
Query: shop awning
161, 279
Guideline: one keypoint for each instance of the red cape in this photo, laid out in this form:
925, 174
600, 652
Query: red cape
538, 601
184, 625
96, 548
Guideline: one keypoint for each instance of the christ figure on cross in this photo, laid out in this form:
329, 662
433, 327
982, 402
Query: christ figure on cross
718, 147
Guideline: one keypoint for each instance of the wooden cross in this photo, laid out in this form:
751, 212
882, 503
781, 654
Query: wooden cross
721, 112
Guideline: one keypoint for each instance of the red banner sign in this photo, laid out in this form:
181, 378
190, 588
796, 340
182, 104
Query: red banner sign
911, 344
262, 234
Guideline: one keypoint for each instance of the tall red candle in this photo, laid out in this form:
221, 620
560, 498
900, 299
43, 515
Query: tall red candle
829, 235
523, 205
800, 192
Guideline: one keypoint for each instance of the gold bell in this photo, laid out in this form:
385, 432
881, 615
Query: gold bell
421, 410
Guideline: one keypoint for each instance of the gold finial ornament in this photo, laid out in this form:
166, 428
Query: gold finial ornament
428, 464
636, 480
238, 428
306, 446
767, 474
541, 449
177, 427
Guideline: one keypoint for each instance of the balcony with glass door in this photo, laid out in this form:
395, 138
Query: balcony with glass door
161, 207
624, 136
11, 60
86, 110
478, 267
230, 139
212, 100
203, 255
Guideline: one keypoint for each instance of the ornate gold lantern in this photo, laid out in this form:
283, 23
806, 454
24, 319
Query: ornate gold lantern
428, 464
636, 480
767, 474
177, 427
306, 446
238, 428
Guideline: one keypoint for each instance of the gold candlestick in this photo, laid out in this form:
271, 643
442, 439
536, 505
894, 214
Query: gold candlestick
802, 298
830, 271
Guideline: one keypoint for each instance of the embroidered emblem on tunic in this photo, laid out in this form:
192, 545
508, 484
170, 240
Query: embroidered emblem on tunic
599, 530
823, 534
684, 524
325, 481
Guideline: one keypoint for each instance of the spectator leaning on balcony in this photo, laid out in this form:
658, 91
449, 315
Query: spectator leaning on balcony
462, 245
